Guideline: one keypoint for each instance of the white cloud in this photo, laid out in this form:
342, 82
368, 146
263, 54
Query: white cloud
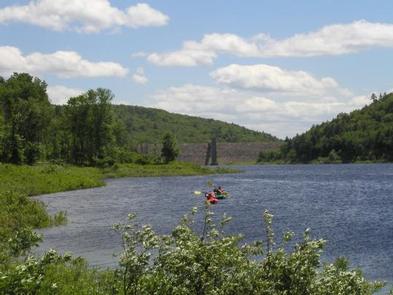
59, 94
276, 113
139, 76
88, 16
329, 40
66, 64
183, 58
332, 40
273, 79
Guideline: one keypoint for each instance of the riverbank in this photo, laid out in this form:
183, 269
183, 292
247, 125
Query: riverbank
45, 179
17, 182
19, 214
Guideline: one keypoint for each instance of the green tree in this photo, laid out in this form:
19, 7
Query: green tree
89, 121
365, 134
169, 151
26, 113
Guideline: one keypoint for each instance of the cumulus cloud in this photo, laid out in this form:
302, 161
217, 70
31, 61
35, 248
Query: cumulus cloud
274, 79
332, 40
183, 58
329, 40
66, 64
88, 16
59, 94
276, 113
139, 76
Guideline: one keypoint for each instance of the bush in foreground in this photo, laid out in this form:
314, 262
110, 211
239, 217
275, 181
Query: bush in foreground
214, 263
187, 262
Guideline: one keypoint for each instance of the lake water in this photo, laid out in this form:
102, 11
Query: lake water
351, 206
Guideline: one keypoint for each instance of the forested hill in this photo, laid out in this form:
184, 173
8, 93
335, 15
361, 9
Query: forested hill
148, 125
362, 135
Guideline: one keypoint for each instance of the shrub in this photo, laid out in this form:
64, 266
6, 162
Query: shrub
188, 262
214, 263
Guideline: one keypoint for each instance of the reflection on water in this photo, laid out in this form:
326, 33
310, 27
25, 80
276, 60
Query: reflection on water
349, 205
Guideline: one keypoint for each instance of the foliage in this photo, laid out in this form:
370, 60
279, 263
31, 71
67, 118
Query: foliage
191, 262
89, 119
169, 151
18, 215
186, 263
26, 111
362, 135
28, 277
147, 125
269, 156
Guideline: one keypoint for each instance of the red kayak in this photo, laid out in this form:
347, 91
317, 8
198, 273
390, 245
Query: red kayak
211, 198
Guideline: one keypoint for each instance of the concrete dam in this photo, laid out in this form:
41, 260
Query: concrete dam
223, 153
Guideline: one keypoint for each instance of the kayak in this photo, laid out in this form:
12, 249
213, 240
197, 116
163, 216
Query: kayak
212, 200
221, 196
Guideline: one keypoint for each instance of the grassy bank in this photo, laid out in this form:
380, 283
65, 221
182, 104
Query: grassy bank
42, 179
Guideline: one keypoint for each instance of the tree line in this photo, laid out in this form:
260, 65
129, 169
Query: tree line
85, 131
362, 135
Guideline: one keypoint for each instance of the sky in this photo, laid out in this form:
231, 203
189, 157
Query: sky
274, 66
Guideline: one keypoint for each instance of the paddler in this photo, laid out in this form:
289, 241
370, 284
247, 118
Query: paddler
219, 190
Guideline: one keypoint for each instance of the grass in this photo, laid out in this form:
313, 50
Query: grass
42, 179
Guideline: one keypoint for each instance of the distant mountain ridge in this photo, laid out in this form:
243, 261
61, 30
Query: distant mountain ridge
147, 125
362, 135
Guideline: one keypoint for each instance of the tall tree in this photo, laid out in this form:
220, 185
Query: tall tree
89, 120
169, 151
26, 113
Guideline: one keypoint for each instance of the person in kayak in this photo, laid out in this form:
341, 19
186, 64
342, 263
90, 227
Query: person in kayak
219, 190
211, 197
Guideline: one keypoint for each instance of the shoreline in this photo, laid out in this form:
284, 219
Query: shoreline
51, 178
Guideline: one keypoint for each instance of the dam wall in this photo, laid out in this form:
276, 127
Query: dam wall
227, 153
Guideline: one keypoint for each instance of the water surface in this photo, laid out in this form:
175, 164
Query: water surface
351, 206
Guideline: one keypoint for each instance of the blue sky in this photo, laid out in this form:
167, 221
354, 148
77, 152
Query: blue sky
276, 66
